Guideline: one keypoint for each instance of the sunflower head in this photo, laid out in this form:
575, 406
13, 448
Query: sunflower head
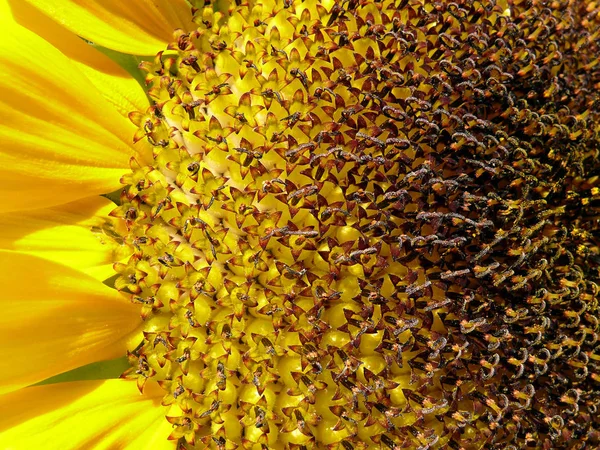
369, 225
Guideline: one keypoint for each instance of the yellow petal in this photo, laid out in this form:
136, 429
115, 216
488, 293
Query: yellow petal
59, 139
76, 234
116, 85
138, 27
109, 414
54, 319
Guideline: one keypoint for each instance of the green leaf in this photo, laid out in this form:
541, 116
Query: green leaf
101, 370
128, 62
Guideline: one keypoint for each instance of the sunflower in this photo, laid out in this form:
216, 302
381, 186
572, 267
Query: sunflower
286, 224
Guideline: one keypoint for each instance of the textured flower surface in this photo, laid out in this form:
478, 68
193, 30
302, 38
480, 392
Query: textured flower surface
313, 224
